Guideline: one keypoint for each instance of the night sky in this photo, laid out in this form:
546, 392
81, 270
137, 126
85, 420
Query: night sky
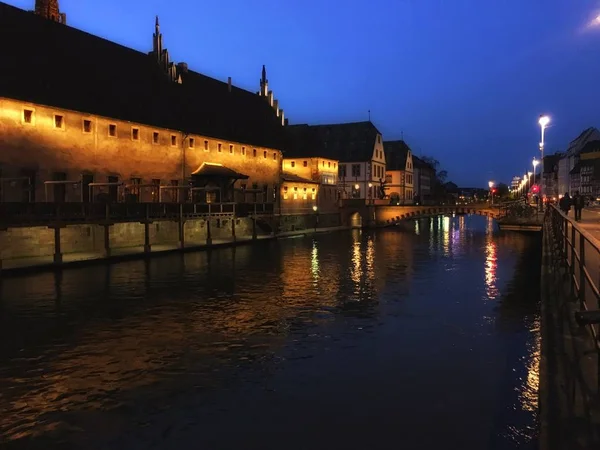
461, 80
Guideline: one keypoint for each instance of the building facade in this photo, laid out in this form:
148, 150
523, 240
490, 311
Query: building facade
568, 173
399, 173
589, 167
322, 171
116, 124
423, 181
357, 147
550, 172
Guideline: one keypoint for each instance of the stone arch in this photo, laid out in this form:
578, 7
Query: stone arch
355, 220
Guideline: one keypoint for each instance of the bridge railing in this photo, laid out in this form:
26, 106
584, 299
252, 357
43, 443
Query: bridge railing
24, 214
577, 258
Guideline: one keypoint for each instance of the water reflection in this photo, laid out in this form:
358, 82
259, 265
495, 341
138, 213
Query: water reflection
178, 351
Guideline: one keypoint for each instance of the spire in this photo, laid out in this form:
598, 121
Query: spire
264, 83
157, 47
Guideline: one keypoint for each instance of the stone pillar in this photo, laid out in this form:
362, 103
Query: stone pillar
208, 235
181, 228
232, 229
57, 251
106, 241
147, 246
254, 228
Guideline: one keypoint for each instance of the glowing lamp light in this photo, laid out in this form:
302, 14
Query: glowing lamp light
490, 184
315, 208
544, 120
356, 186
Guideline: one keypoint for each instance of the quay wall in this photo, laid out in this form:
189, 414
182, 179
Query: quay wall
39, 241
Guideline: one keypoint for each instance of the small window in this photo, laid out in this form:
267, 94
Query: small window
304, 194
295, 193
173, 140
254, 152
285, 192
191, 142
334, 164
219, 148
265, 154
135, 134
323, 164
314, 194
155, 137
205, 146
275, 156
293, 164
28, 116
231, 149
305, 163
243, 151
112, 130
59, 121
329, 165
378, 139
87, 126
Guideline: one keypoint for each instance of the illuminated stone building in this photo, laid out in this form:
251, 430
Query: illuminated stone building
84, 118
356, 147
317, 171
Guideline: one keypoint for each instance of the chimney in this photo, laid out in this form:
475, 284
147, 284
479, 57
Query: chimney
276, 107
270, 98
282, 117
229, 84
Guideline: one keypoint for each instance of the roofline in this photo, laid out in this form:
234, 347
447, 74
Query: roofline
335, 124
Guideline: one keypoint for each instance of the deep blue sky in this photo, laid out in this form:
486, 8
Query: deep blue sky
461, 80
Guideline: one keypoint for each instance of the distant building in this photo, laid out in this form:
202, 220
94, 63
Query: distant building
550, 185
399, 172
357, 147
589, 164
319, 171
424, 179
567, 181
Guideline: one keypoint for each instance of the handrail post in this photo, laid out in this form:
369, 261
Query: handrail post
582, 277
573, 259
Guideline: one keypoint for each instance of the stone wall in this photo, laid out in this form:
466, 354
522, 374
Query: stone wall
31, 140
39, 241
307, 221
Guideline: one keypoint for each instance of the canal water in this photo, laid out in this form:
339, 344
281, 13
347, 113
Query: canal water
418, 338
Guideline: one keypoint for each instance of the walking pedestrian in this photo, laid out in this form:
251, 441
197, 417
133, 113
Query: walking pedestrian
577, 205
565, 203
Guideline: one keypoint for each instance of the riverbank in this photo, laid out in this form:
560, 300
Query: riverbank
17, 266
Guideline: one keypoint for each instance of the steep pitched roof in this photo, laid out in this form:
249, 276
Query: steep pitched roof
418, 163
575, 146
591, 146
56, 65
396, 153
346, 142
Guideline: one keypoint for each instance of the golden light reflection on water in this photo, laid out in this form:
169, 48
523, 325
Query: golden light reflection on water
314, 262
417, 227
355, 272
491, 265
529, 391
370, 259
446, 235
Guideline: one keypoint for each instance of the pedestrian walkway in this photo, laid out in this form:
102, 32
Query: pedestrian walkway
590, 222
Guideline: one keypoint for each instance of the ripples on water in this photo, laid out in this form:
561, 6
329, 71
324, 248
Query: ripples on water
419, 338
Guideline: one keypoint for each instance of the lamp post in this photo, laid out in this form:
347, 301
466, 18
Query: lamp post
543, 121
491, 185
535, 162
315, 209
371, 198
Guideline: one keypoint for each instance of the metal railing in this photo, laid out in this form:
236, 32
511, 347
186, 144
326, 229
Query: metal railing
576, 258
23, 214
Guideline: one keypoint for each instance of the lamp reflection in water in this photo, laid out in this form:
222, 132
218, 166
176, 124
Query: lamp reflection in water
355, 270
446, 238
491, 263
370, 272
314, 262
417, 227
529, 392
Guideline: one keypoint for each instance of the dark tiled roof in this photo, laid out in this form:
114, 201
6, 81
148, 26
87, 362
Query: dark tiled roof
585, 136
346, 142
218, 171
396, 153
286, 176
52, 64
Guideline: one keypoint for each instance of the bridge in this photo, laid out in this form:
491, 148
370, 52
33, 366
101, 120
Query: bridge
357, 213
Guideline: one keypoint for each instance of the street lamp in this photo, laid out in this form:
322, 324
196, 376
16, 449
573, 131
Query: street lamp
543, 121
535, 162
371, 197
315, 208
491, 185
